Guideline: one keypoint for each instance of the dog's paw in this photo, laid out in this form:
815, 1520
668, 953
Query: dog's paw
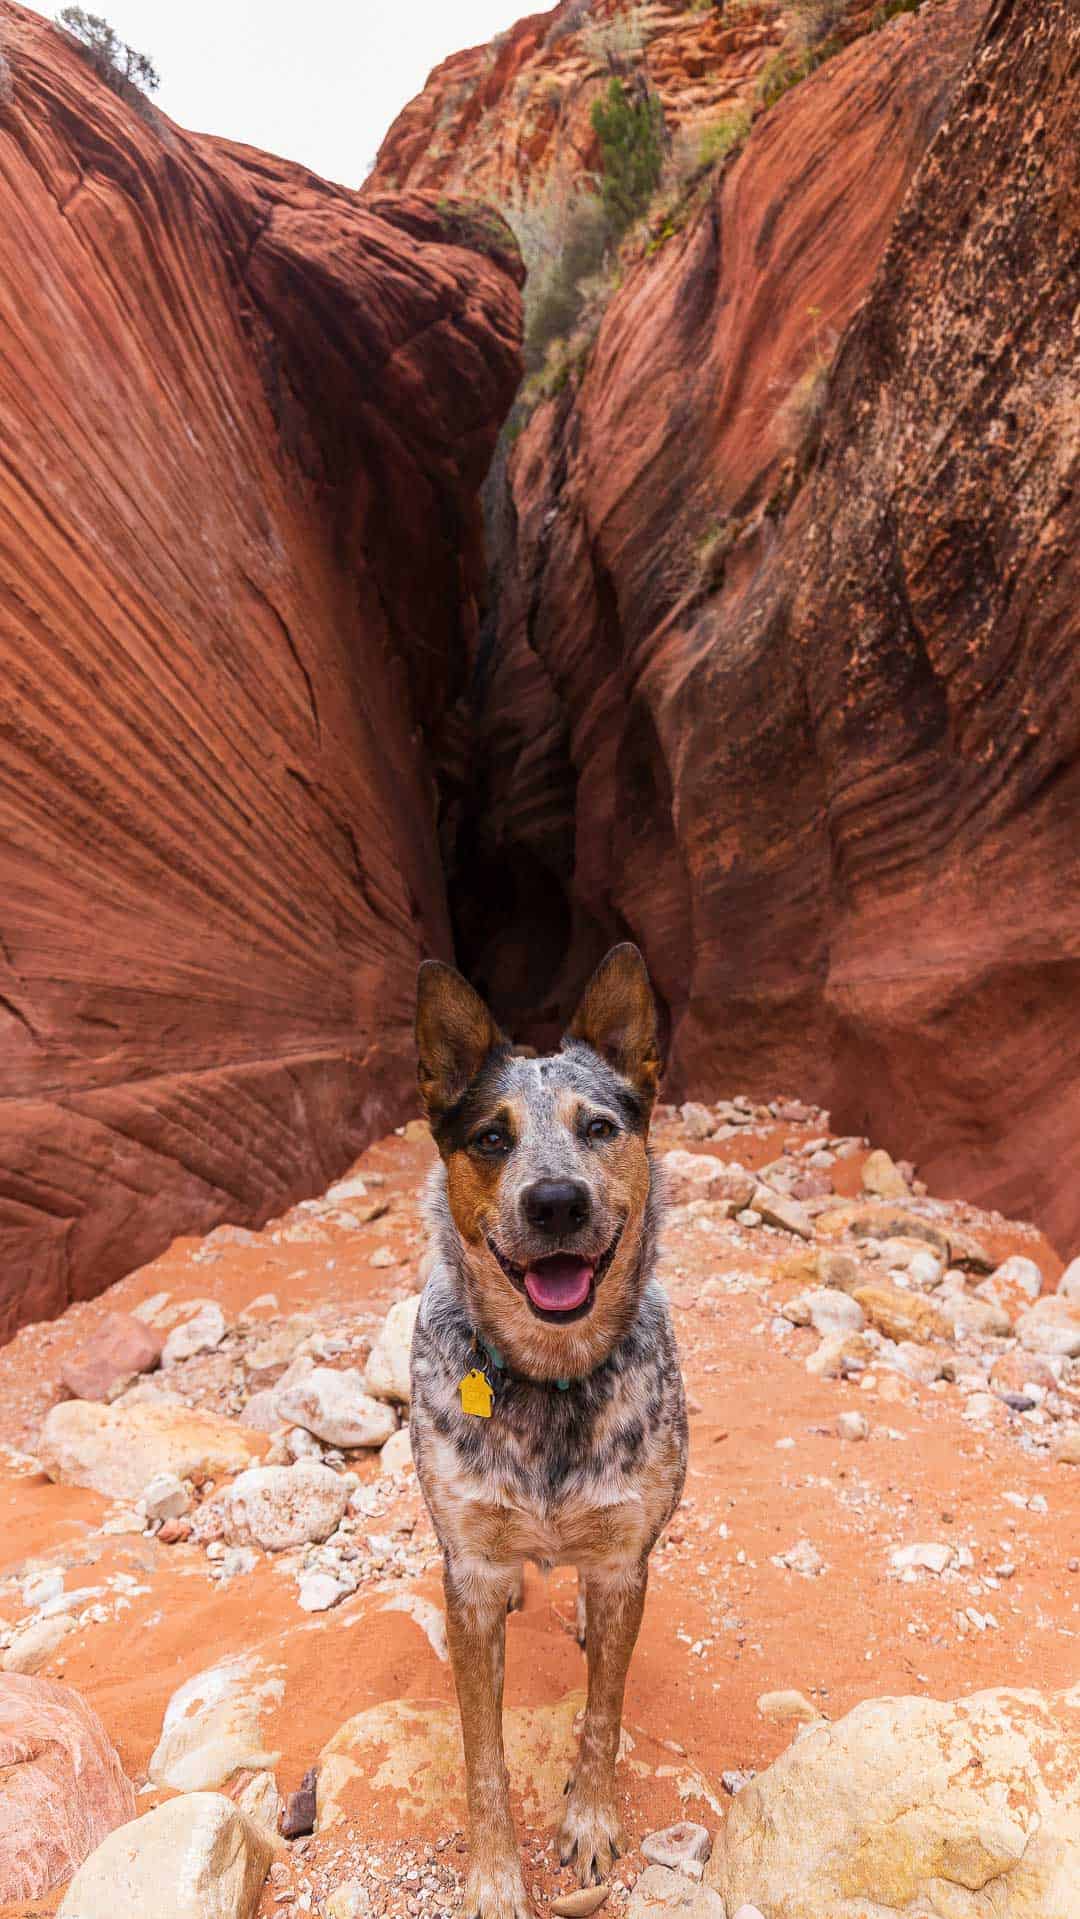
591, 1837
496, 1892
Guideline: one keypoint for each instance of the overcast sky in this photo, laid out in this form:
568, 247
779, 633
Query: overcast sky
314, 80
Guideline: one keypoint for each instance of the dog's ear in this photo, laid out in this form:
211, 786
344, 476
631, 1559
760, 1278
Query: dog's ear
617, 1018
454, 1035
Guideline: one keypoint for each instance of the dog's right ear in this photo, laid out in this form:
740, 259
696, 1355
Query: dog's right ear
454, 1035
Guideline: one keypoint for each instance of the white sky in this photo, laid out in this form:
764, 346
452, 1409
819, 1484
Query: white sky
316, 80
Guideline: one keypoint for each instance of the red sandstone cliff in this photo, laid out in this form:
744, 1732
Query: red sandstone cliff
782, 680
244, 419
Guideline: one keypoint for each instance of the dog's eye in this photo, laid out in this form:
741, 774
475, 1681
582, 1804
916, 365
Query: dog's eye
492, 1141
600, 1128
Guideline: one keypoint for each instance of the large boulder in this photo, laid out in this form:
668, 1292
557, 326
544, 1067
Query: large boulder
386, 1375
238, 404
276, 1507
116, 1450
62, 1787
196, 1857
212, 1726
949, 1811
336, 1407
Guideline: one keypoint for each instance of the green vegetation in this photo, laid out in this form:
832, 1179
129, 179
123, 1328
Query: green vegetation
121, 67
883, 14
630, 128
722, 137
790, 65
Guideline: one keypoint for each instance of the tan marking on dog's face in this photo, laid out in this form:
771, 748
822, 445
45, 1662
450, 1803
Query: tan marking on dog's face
543, 1111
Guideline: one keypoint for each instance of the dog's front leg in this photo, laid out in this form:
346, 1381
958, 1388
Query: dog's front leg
476, 1601
592, 1834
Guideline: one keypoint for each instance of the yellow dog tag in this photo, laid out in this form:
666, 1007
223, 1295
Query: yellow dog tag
476, 1394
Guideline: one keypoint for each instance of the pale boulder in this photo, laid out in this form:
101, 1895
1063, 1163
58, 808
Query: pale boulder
690, 1176
658, 1892
883, 1178
698, 1122
116, 1450
211, 1727
1053, 1326
35, 1642
396, 1456
277, 1507
335, 1407
387, 1373
62, 1787
956, 1811
1069, 1284
198, 1857
776, 1209
202, 1333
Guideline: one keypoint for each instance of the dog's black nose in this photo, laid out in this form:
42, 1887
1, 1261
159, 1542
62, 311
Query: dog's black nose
557, 1207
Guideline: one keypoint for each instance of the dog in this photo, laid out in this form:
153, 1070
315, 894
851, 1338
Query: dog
548, 1417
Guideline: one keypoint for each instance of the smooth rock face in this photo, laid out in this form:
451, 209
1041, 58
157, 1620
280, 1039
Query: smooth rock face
960, 1811
276, 1507
224, 670
335, 1407
211, 1727
62, 1787
831, 786
198, 1850
117, 1450
387, 1372
121, 1347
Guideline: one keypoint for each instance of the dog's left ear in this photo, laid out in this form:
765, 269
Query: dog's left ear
617, 1018
454, 1035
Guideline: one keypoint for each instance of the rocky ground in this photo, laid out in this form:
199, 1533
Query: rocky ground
220, 1548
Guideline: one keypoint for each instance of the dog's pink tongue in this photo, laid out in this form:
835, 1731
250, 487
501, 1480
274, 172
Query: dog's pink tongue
560, 1283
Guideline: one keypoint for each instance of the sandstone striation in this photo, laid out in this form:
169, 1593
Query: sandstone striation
237, 405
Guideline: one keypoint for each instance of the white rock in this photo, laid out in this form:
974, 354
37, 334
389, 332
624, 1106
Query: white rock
300, 1444
353, 1186
834, 1312
1015, 1275
659, 1891
853, 1426
698, 1123
385, 1256
319, 1591
387, 1373
204, 1331
261, 1801
915, 1806
1069, 1284
396, 1455
35, 1642
685, 1848
689, 1176
1053, 1326
211, 1726
277, 1507
932, 1556
165, 1496
196, 1857
335, 1407
776, 1209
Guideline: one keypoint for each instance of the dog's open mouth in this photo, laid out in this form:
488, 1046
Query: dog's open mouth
560, 1283
559, 1286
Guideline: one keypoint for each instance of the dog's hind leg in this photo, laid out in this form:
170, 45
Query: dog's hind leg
476, 1602
592, 1834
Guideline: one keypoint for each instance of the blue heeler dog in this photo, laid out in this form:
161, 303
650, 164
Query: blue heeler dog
548, 1416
